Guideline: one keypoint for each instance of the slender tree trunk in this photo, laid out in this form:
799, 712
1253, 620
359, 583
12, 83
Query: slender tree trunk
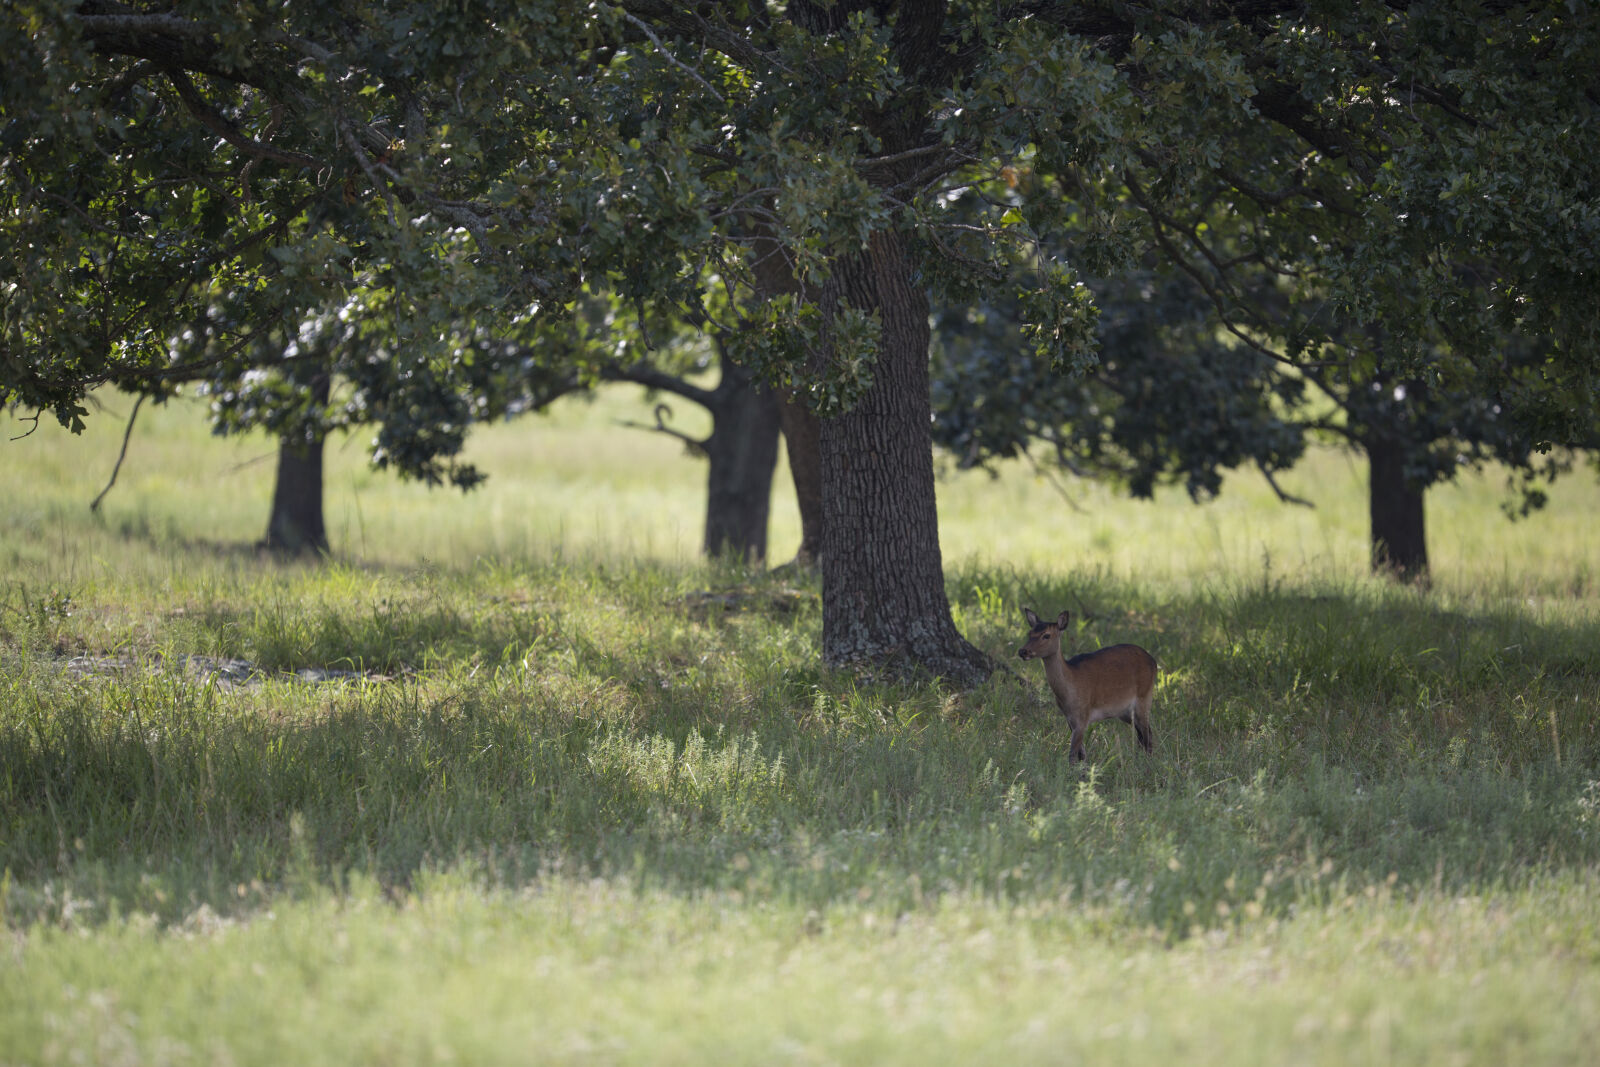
1399, 532
802, 436
296, 524
743, 453
883, 594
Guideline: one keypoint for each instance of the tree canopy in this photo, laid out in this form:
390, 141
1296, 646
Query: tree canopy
1174, 397
185, 190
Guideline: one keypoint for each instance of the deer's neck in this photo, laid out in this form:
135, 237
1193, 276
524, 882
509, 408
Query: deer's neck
1058, 674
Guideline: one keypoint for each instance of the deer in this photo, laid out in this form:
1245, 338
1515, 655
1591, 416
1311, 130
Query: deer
1115, 682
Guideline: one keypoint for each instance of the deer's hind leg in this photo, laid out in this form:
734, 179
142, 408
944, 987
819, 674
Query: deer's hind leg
1141, 721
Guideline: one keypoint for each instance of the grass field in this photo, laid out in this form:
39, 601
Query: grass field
499, 784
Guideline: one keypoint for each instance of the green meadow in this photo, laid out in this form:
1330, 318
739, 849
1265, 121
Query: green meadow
515, 777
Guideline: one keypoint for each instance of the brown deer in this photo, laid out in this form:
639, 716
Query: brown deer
1116, 682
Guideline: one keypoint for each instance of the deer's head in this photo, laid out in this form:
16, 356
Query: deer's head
1044, 635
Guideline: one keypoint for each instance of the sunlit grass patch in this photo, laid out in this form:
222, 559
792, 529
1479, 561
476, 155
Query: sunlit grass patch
574, 970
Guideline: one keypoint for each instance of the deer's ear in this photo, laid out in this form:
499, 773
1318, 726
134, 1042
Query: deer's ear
1061, 620
1033, 620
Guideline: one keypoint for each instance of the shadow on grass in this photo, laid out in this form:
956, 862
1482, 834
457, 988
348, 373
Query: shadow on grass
615, 725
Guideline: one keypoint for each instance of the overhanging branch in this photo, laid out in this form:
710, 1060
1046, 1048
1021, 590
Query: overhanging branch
651, 378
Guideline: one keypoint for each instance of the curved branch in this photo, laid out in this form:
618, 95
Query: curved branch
1218, 300
651, 378
689, 23
34, 418
213, 120
663, 412
1286, 497
644, 28
127, 435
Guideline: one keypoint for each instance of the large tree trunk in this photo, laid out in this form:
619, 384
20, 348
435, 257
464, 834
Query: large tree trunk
802, 436
743, 453
296, 524
1399, 533
883, 595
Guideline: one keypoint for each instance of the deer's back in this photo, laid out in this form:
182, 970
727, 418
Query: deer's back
1113, 673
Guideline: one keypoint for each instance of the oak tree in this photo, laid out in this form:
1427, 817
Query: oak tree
191, 180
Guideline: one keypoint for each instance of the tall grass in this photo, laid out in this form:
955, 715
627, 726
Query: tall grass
497, 784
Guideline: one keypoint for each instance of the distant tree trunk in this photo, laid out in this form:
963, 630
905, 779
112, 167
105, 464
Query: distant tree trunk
883, 595
802, 436
296, 524
742, 450
1399, 533
743, 453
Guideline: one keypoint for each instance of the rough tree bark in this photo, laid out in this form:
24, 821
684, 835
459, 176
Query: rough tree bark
1399, 530
883, 595
296, 524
